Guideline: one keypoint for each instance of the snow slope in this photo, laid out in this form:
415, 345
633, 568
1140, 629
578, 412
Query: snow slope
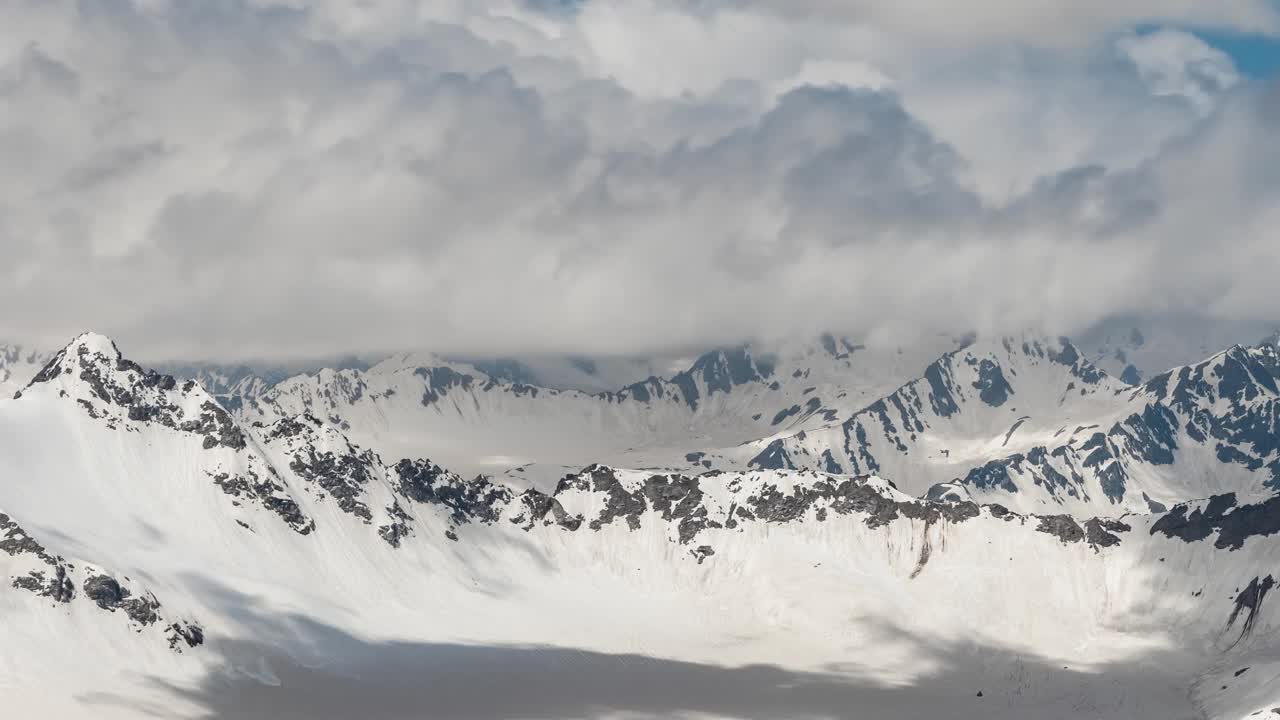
283, 570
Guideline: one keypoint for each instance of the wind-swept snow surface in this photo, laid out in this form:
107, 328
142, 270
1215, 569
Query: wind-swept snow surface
161, 555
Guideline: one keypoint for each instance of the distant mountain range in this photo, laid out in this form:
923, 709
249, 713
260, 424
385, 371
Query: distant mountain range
999, 524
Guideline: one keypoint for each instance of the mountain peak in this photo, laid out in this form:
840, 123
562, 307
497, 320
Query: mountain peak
113, 389
720, 371
92, 342
88, 356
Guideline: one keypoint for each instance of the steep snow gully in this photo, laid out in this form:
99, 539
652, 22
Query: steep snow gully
1004, 531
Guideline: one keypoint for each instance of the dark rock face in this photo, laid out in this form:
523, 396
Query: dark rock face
1100, 458
105, 591
1100, 532
218, 428
267, 493
1233, 524
720, 371
995, 474
853, 496
991, 384
467, 500
619, 503
418, 478
679, 499
394, 532
1064, 527
1068, 355
15, 541
341, 475
643, 392
1001, 512
1151, 435
784, 414
536, 506
59, 588
33, 582
1249, 603
773, 457
1197, 526
1131, 375
944, 492
682, 501
439, 381
51, 370
109, 595
184, 633
829, 464
940, 381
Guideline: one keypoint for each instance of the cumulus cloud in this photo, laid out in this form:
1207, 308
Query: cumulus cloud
292, 178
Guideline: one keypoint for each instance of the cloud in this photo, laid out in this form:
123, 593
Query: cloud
290, 179
1176, 63
1041, 22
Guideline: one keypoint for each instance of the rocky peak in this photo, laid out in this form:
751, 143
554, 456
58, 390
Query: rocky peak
88, 354
720, 371
1237, 375
92, 372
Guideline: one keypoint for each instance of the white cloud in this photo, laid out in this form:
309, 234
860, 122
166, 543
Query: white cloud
1177, 63
256, 178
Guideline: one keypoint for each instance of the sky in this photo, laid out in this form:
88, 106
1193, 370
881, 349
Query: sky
296, 178
1255, 56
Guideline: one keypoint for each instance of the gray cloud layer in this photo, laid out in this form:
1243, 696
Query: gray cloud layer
252, 178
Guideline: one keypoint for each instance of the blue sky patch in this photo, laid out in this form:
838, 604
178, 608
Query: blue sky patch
1254, 55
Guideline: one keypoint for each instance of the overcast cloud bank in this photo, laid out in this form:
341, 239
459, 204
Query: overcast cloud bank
290, 179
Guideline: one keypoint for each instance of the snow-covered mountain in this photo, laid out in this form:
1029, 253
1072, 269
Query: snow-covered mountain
1027, 422
479, 423
160, 555
1038, 427
1137, 349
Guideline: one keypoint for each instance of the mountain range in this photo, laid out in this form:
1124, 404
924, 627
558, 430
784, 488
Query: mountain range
974, 527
